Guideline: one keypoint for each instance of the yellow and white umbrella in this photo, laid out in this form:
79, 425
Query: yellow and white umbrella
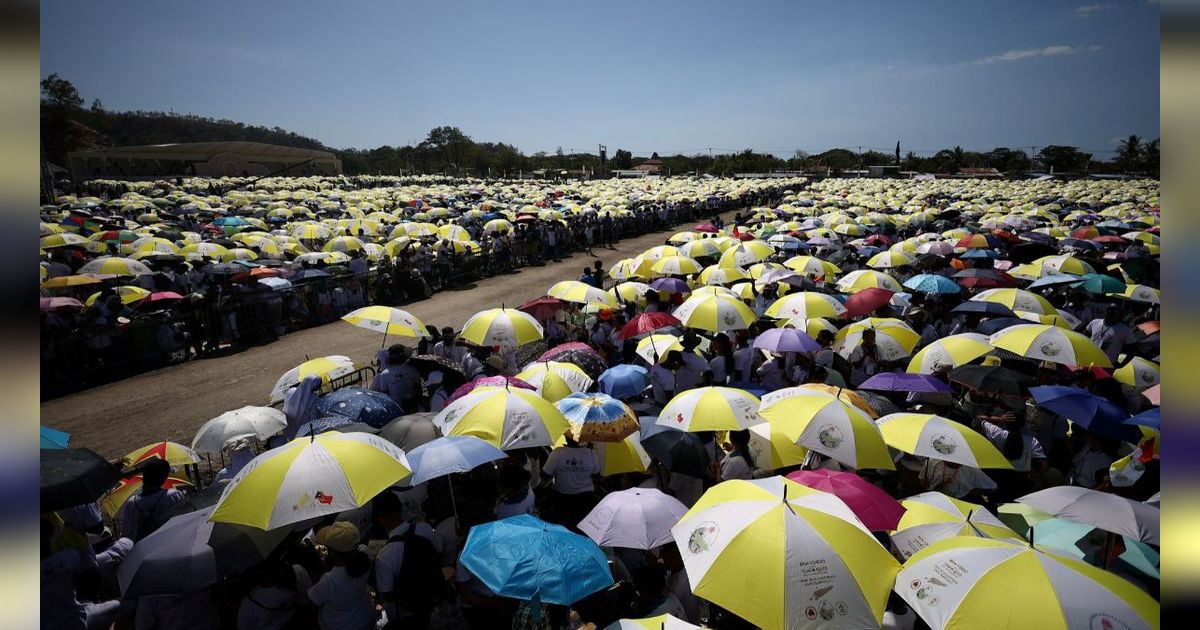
935, 437
949, 353
630, 291
868, 278
700, 248
653, 348
64, 239
811, 326
629, 268
343, 244
626, 456
965, 582
717, 274
506, 418
676, 266
1065, 264
129, 294
1050, 343
660, 251
1140, 373
327, 368
784, 556
890, 260
498, 226
933, 516
311, 477
805, 305
813, 267
114, 265
311, 232
1017, 300
826, 424
746, 254
505, 327
711, 409
555, 380
715, 313
1140, 293
771, 448
661, 622
894, 340
238, 253
387, 320
581, 293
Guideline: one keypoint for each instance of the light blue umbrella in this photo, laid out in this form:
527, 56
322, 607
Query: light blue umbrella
932, 283
447, 455
1065, 535
53, 438
524, 557
624, 380
1054, 279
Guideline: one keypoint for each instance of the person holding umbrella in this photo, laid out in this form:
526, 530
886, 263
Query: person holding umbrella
146, 511
399, 380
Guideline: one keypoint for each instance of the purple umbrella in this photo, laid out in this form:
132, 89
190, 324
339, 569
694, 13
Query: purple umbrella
901, 382
786, 340
670, 285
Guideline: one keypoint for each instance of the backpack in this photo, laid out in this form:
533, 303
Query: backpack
419, 583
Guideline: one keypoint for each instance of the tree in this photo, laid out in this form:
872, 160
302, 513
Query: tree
452, 145
1129, 154
1064, 159
1149, 163
97, 105
622, 160
654, 156
58, 92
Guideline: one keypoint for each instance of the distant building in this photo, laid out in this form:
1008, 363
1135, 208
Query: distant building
966, 171
650, 167
200, 159
886, 170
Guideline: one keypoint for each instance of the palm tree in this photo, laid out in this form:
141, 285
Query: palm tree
959, 157
1129, 152
1149, 161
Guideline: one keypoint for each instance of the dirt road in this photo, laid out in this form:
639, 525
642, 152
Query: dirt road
173, 402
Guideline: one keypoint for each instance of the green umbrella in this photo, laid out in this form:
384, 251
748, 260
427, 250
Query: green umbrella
1100, 283
1068, 536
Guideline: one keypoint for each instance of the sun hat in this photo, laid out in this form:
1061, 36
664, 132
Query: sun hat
341, 536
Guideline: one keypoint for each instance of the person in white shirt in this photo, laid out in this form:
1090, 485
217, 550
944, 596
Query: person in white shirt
439, 396
342, 595
388, 511
573, 468
738, 464
516, 497
772, 375
399, 380
662, 383
1110, 334
146, 511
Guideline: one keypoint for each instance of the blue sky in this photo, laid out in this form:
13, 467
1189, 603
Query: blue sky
646, 76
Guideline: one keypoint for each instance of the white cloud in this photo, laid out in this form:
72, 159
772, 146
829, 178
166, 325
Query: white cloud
1026, 53
1089, 10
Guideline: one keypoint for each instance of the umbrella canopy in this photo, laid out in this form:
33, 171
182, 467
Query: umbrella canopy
447, 455
711, 409
175, 454
661, 622
112, 501
555, 380
489, 381
807, 305
781, 555
676, 266
825, 424
578, 353
902, 382
190, 552
949, 352
53, 438
327, 368
52, 303
991, 378
626, 456
867, 300
598, 417
935, 437
894, 340
259, 423
1138, 372
73, 476
715, 313
785, 340
624, 380
637, 518
991, 309
1086, 409
679, 451
877, 510
654, 347
360, 405
311, 477
1104, 510
976, 582
387, 320
1017, 300
524, 557
772, 449
856, 281
411, 431
505, 417
1050, 343
646, 323
543, 307
504, 327
933, 516
1066, 536
932, 283
452, 374
582, 293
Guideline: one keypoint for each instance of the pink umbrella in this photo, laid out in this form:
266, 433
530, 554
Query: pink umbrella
874, 507
159, 299
543, 308
705, 227
1152, 394
52, 303
489, 381
867, 300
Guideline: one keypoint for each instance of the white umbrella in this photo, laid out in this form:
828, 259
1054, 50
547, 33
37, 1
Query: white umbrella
249, 421
637, 518
1106, 511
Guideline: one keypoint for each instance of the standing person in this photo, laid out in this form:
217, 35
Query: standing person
342, 595
738, 464
408, 576
573, 468
439, 396
1010, 433
399, 380
146, 511
1111, 334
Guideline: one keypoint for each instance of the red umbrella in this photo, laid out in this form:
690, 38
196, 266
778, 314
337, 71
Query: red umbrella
647, 323
874, 507
1006, 236
489, 381
878, 239
543, 307
158, 299
1109, 239
867, 300
705, 227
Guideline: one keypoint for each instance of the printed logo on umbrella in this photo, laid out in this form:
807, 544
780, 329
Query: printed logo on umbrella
1050, 349
703, 537
830, 436
943, 444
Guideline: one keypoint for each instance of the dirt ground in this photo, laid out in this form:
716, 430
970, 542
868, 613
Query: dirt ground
173, 402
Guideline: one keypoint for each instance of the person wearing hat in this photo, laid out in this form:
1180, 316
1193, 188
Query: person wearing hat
342, 595
399, 380
495, 365
438, 394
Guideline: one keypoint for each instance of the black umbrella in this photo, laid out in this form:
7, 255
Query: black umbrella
981, 307
452, 373
678, 451
74, 476
580, 354
1029, 252
991, 378
997, 324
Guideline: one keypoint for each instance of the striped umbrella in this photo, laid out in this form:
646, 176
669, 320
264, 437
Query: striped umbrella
805, 305
711, 409
555, 380
933, 516
828, 425
1050, 343
935, 437
505, 327
715, 313
506, 417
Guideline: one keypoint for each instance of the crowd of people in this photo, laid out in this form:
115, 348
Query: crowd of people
959, 348
225, 272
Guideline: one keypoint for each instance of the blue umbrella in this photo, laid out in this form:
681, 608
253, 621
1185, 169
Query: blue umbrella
984, 308
598, 417
980, 253
624, 380
360, 405
1065, 535
1085, 409
1054, 279
525, 558
1148, 418
318, 426
53, 438
446, 455
932, 283
306, 275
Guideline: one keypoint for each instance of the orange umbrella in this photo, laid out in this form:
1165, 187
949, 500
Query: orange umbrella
111, 503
